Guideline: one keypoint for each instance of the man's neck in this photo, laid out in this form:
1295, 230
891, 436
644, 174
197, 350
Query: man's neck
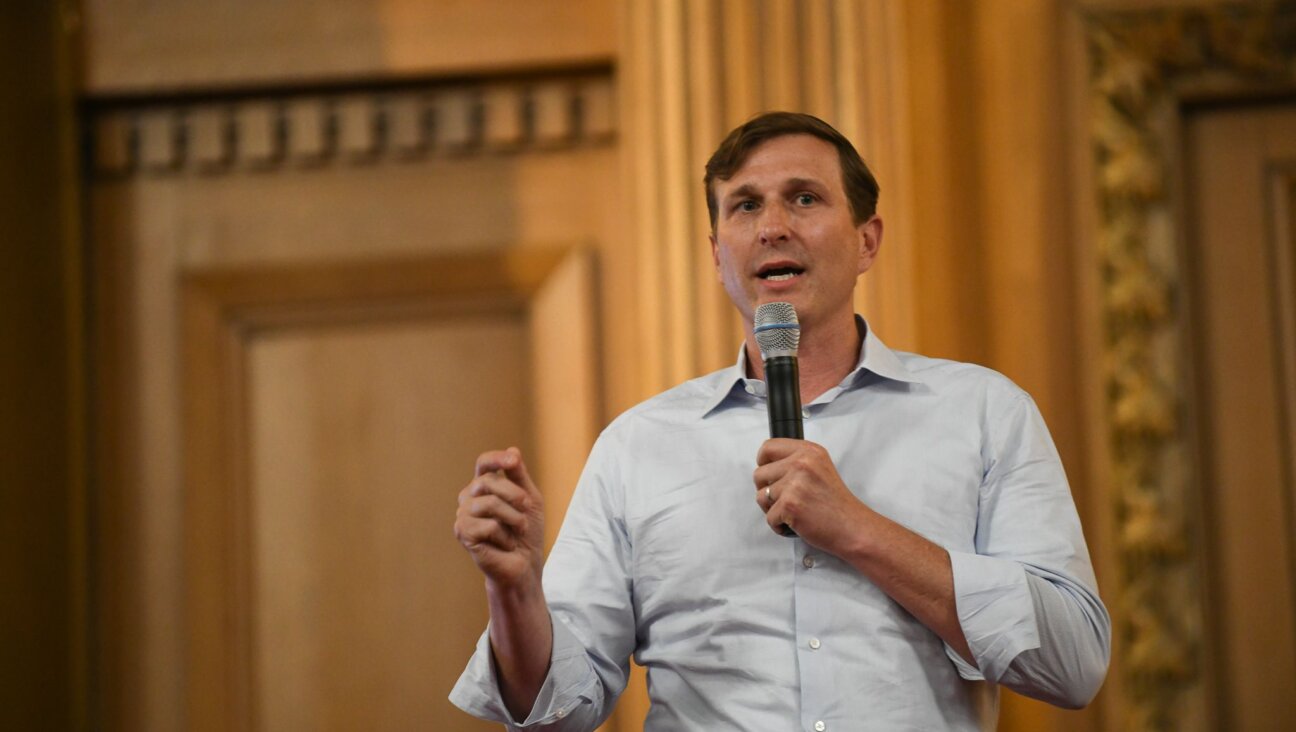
827, 353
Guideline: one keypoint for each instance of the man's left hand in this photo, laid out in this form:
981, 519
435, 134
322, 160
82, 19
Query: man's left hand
797, 485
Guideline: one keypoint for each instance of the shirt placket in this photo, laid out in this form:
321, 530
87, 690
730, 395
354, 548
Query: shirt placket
814, 644
812, 592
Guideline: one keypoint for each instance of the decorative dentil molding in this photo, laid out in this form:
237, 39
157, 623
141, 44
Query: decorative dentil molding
1142, 63
258, 131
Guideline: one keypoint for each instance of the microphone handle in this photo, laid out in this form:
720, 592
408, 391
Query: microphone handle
783, 397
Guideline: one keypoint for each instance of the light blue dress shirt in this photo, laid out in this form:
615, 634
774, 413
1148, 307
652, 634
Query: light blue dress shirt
665, 554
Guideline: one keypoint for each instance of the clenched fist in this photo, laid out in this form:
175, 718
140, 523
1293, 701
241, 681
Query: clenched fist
500, 520
798, 485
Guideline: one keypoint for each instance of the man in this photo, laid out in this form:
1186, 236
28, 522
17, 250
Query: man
938, 552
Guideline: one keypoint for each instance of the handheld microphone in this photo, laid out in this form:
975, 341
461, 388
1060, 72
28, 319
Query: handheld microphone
778, 333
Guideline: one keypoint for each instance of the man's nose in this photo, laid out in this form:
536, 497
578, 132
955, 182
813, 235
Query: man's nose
773, 225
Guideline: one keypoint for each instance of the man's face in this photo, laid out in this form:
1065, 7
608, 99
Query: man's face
784, 232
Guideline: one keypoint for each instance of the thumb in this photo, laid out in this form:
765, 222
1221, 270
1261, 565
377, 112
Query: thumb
516, 470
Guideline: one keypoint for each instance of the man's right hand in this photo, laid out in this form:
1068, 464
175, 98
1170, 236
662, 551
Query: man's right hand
500, 521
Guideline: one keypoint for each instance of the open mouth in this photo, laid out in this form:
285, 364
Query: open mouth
780, 274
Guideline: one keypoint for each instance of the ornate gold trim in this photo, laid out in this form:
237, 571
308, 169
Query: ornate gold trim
1142, 63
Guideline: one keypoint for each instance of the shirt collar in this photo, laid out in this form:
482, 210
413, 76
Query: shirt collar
874, 357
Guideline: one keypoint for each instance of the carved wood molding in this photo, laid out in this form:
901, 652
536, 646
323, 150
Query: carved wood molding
1143, 65
261, 130
224, 313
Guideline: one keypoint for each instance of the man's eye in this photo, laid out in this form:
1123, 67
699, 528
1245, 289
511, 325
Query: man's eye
746, 206
805, 199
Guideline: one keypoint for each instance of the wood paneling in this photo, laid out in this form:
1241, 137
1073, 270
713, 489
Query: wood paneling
332, 415
564, 387
363, 606
1241, 163
1283, 239
43, 603
273, 205
140, 46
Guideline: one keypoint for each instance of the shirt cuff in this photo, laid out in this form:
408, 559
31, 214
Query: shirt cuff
566, 686
995, 611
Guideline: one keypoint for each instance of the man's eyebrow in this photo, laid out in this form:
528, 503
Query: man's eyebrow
746, 190
803, 183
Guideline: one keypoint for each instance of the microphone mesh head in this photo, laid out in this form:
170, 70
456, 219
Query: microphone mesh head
777, 331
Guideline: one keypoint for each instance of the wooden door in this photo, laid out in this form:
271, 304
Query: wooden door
1242, 245
333, 413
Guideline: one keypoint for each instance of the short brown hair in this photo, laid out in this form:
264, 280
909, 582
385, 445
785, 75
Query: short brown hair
860, 185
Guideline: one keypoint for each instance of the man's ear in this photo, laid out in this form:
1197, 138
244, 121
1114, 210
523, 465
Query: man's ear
870, 241
715, 256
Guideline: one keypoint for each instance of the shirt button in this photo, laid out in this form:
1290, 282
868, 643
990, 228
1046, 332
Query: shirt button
562, 713
814, 643
750, 389
805, 414
820, 726
808, 562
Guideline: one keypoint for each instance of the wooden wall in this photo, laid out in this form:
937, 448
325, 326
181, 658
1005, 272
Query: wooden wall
333, 256
141, 46
41, 535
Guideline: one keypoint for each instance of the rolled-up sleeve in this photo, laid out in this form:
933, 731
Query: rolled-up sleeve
588, 590
567, 697
1027, 598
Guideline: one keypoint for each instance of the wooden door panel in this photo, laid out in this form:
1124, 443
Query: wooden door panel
332, 415
1243, 164
360, 437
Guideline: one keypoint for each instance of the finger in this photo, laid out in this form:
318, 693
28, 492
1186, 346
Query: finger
769, 474
765, 498
515, 468
494, 484
776, 517
493, 460
475, 533
493, 506
511, 464
782, 514
777, 448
